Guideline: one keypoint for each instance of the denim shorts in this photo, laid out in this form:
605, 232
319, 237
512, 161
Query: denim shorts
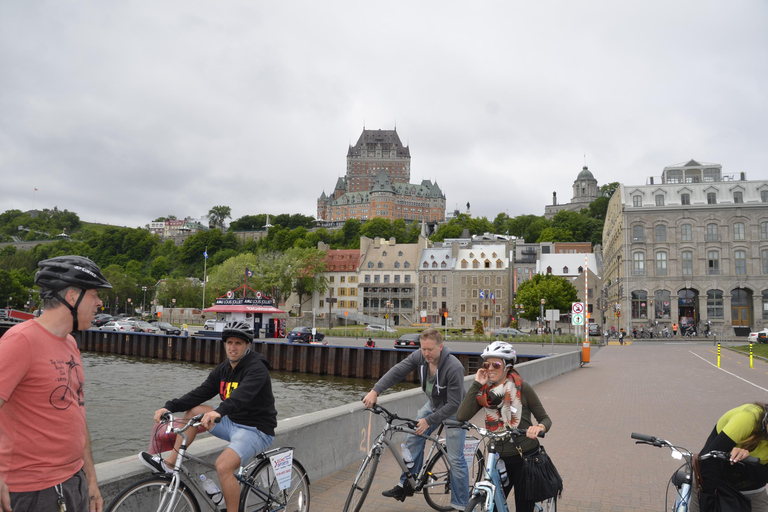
244, 440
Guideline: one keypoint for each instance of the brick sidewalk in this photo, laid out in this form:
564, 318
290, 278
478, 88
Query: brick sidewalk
664, 389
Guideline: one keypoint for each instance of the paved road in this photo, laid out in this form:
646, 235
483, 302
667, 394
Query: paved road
672, 390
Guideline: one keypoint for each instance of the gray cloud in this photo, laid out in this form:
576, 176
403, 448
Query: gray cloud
127, 111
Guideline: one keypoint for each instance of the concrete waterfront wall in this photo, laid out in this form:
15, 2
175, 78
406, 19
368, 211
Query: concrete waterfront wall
326, 441
353, 362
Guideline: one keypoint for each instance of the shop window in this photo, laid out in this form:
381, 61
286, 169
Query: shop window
662, 304
639, 304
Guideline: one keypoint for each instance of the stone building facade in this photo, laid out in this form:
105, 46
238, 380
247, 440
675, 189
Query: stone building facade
691, 248
377, 184
585, 190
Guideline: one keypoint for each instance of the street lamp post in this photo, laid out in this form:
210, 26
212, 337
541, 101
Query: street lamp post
127, 307
8, 304
541, 322
143, 299
173, 306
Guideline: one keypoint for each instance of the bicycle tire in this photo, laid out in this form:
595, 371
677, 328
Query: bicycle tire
265, 495
476, 504
437, 490
549, 505
362, 483
146, 495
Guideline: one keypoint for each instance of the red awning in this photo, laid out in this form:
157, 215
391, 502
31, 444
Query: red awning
245, 309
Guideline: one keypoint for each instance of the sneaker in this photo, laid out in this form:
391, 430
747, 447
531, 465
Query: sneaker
154, 462
397, 492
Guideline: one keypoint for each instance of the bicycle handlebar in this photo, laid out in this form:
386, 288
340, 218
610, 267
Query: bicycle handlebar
168, 418
498, 434
715, 454
377, 409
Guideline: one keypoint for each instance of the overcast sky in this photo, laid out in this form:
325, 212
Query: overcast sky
127, 111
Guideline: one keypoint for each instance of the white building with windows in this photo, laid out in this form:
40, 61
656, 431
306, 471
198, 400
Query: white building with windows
689, 247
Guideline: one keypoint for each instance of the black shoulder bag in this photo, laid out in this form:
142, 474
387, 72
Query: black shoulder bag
541, 479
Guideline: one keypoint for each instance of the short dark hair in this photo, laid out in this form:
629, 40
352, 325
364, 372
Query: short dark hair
431, 334
53, 303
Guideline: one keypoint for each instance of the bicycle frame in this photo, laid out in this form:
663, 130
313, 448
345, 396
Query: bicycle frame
179, 471
384, 439
491, 486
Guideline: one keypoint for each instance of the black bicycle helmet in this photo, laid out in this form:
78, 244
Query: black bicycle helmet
58, 273
238, 329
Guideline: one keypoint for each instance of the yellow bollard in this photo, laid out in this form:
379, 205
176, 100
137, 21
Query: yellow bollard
750, 355
718, 355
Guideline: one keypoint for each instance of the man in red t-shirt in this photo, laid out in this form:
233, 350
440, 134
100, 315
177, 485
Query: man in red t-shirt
45, 448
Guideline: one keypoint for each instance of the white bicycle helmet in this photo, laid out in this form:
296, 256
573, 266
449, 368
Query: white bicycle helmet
502, 350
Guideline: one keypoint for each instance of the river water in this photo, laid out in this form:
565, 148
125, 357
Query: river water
122, 393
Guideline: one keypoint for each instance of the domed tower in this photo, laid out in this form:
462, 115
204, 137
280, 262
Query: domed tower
585, 187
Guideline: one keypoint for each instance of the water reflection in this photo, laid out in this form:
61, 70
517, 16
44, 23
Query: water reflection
123, 392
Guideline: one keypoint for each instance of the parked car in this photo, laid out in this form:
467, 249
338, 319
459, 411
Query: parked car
594, 329
303, 335
410, 340
379, 328
507, 332
101, 319
758, 336
117, 326
210, 324
167, 328
146, 327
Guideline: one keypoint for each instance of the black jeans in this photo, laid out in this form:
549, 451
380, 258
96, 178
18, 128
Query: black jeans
75, 491
516, 479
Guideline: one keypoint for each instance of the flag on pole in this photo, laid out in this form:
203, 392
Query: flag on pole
493, 298
35, 190
482, 294
205, 253
248, 273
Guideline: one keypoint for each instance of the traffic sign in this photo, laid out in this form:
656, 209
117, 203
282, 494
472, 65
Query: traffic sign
577, 308
577, 319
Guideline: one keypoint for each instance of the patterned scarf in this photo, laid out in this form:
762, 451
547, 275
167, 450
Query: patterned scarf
502, 402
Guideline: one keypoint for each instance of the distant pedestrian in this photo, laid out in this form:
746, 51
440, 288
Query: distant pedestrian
674, 329
370, 343
621, 336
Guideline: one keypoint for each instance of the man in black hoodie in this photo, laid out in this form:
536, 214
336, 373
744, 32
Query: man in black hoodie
247, 415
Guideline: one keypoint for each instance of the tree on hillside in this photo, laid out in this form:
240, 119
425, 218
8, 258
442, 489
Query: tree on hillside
557, 291
310, 277
608, 189
376, 227
597, 208
555, 235
249, 223
231, 275
218, 215
351, 233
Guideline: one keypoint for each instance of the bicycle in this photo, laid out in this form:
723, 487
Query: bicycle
488, 492
433, 478
261, 490
682, 479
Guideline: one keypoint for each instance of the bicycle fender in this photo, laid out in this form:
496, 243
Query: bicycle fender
488, 489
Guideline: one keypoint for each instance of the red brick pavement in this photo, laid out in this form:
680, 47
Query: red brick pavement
669, 390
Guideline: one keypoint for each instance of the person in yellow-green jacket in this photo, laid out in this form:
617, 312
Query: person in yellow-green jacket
742, 433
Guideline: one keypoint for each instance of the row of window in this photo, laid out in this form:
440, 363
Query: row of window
685, 198
686, 259
380, 264
659, 305
686, 232
377, 278
342, 279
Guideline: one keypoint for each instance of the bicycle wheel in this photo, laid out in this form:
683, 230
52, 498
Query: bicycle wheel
437, 488
476, 504
549, 505
362, 482
149, 494
262, 491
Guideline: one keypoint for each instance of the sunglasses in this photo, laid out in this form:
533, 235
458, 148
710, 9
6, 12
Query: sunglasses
495, 365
